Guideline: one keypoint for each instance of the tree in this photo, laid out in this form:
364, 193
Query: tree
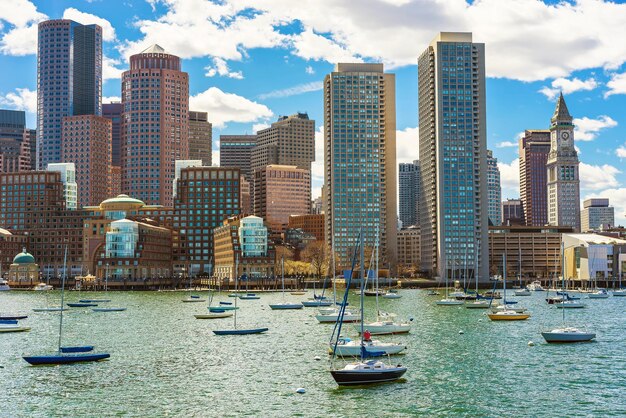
318, 254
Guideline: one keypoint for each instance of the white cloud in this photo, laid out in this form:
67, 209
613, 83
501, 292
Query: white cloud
407, 145
509, 178
293, 91
220, 67
621, 151
109, 68
588, 129
309, 70
108, 32
506, 144
566, 86
617, 199
317, 167
597, 177
21, 99
20, 13
227, 107
111, 99
616, 85
259, 126
19, 41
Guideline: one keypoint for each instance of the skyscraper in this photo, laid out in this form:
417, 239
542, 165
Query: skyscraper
113, 111
453, 156
236, 151
512, 212
86, 142
360, 159
534, 147
408, 176
68, 178
494, 191
69, 80
200, 137
16, 145
562, 168
155, 124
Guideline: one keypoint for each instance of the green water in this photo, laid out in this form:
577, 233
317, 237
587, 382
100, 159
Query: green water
164, 362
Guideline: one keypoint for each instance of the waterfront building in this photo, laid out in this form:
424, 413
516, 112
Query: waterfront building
113, 111
9, 244
360, 160
247, 205
70, 187
311, 223
596, 215
538, 246
200, 137
69, 81
534, 147
243, 250
178, 166
281, 191
33, 204
409, 249
17, 143
86, 142
494, 191
512, 212
562, 168
288, 141
24, 269
590, 257
155, 124
206, 196
453, 156
236, 151
409, 189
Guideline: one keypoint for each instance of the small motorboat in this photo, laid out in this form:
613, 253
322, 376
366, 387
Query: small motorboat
372, 371
508, 315
240, 331
42, 287
598, 294
286, 306
11, 325
348, 347
567, 335
4, 285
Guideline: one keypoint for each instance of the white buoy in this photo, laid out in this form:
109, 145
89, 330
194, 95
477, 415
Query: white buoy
461, 332
300, 390
531, 344
317, 358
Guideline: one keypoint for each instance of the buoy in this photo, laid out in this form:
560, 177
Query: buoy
317, 358
530, 343
461, 332
300, 390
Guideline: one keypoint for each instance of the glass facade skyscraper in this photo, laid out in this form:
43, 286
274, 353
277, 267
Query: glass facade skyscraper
69, 80
494, 191
360, 160
453, 157
408, 188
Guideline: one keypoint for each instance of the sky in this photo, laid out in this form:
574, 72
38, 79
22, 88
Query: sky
250, 61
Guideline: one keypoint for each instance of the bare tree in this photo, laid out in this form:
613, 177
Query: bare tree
318, 254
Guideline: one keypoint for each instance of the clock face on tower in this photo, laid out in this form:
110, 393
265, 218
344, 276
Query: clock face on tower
565, 135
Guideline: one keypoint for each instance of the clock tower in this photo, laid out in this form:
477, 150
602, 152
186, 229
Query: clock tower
562, 165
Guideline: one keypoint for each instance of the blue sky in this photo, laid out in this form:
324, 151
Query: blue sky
252, 60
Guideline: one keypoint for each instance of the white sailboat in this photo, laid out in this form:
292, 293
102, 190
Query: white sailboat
447, 300
106, 290
284, 305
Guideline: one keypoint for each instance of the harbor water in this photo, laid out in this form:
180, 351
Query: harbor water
164, 362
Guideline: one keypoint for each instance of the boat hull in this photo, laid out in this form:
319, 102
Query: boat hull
94, 300
68, 358
391, 296
81, 305
240, 331
331, 319
386, 329
556, 337
108, 309
355, 350
477, 305
449, 302
249, 297
191, 300
510, 317
14, 329
316, 303
360, 377
286, 306
222, 308
214, 315
12, 317
49, 309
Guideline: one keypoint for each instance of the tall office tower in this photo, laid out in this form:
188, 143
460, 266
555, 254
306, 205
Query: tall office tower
113, 111
206, 197
18, 148
155, 124
247, 205
86, 142
562, 168
360, 160
236, 151
68, 178
596, 214
200, 137
281, 191
494, 191
408, 186
512, 212
453, 156
534, 147
289, 141
178, 166
69, 80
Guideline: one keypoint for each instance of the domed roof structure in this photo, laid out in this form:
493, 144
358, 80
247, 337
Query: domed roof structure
24, 258
121, 202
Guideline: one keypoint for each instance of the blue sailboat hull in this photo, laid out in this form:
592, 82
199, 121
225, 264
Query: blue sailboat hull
9, 317
284, 306
81, 305
94, 300
67, 358
240, 331
222, 308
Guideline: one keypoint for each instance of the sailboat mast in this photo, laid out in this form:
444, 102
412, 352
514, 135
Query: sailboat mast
62, 296
362, 287
563, 275
504, 279
282, 274
236, 289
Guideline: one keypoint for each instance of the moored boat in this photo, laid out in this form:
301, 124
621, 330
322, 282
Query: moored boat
347, 347
567, 335
508, 315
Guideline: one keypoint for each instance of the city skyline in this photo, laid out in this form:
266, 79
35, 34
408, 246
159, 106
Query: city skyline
241, 94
